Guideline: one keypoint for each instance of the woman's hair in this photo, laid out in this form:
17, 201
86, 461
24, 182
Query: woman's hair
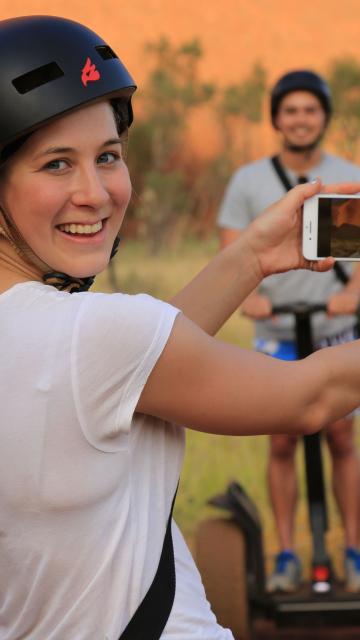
9, 149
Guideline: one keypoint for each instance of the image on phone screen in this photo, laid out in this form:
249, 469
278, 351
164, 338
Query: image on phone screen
339, 227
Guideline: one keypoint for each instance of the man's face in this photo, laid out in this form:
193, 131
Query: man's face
301, 119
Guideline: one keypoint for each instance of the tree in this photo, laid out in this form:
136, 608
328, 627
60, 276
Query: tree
172, 90
344, 81
242, 105
175, 192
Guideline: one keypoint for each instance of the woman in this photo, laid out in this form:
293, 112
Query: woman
93, 386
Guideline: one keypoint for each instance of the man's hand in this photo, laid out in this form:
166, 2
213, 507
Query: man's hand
343, 303
256, 307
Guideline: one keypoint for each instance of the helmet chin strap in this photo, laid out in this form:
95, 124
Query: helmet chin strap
61, 281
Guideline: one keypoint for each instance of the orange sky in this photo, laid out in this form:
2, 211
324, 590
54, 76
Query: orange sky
281, 34
235, 33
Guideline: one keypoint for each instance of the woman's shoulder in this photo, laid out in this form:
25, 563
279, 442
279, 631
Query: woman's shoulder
90, 314
38, 292
140, 303
132, 316
97, 311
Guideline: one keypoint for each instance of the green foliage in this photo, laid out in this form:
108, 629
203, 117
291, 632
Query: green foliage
172, 90
156, 159
164, 199
240, 106
172, 191
344, 80
246, 98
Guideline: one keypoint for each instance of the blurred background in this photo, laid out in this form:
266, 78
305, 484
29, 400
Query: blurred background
204, 70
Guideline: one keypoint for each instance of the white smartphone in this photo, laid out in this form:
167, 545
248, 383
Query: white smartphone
331, 227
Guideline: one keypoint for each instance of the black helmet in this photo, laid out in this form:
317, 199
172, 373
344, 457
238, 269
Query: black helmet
301, 80
49, 66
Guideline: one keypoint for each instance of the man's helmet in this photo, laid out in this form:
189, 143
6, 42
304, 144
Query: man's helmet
302, 80
50, 66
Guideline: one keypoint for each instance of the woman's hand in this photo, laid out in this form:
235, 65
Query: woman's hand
271, 244
276, 235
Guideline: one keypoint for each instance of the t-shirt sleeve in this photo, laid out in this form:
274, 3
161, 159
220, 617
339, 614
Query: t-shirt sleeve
235, 209
117, 341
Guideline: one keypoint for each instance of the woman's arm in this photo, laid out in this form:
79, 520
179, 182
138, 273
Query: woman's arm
217, 291
270, 244
255, 306
213, 387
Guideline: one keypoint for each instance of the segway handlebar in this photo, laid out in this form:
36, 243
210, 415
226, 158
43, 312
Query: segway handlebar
301, 308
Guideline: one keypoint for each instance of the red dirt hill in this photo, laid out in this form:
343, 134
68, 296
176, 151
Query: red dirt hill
234, 33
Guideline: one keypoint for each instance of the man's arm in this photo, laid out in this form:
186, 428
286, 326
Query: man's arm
347, 301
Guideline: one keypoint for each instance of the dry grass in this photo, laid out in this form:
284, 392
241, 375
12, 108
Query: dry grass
212, 461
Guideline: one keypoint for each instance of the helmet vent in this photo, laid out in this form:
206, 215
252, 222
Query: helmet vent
35, 78
106, 52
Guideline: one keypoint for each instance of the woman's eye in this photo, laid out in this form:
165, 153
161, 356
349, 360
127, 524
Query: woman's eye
56, 165
108, 157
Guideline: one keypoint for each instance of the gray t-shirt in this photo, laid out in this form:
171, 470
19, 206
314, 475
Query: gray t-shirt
252, 189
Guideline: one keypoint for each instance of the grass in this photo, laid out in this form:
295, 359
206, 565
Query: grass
212, 461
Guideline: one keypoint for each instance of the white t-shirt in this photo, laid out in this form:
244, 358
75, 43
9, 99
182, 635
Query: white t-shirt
86, 485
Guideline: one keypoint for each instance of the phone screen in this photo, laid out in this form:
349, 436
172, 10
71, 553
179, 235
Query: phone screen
339, 227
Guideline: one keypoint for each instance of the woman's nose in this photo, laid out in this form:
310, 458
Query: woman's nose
89, 190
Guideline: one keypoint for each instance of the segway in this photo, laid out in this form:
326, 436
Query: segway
230, 553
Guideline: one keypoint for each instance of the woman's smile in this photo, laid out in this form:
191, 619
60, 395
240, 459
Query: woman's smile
83, 232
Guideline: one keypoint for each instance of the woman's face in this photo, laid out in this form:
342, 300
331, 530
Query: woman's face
67, 190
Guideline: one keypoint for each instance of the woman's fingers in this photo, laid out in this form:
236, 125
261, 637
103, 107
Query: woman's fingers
297, 196
324, 264
342, 187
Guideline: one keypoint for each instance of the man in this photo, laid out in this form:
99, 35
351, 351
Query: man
300, 112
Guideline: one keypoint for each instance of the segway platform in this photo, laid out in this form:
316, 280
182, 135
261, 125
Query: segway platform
306, 609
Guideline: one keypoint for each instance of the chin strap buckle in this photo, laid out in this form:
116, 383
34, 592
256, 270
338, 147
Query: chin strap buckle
63, 282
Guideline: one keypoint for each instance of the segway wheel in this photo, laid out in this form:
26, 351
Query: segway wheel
220, 554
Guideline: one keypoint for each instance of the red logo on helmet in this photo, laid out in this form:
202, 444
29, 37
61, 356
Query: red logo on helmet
89, 73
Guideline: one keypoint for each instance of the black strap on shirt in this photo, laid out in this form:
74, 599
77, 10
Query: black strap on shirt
151, 616
340, 273
302, 179
280, 172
